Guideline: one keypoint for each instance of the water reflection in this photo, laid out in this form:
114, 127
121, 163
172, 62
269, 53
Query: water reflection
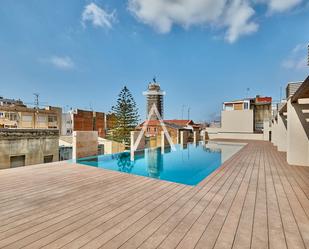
124, 163
154, 160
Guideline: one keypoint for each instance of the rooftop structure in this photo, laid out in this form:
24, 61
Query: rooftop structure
154, 96
10, 102
292, 87
290, 126
23, 117
22, 147
83, 120
261, 109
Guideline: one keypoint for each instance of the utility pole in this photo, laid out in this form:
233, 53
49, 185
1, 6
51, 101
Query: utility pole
308, 54
189, 112
182, 111
36, 100
248, 89
36, 106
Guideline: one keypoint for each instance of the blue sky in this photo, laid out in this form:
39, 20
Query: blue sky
80, 53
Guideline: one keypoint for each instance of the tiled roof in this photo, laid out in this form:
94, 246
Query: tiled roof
176, 122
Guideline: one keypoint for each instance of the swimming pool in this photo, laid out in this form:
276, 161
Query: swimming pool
189, 164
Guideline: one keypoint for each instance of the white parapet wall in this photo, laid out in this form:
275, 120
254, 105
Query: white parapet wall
282, 133
85, 144
266, 131
297, 134
111, 147
237, 124
196, 137
164, 141
234, 135
139, 145
184, 135
238, 121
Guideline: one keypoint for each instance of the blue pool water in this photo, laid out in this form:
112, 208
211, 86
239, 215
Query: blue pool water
187, 165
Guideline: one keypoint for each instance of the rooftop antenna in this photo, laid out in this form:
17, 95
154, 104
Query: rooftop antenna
308, 54
189, 112
36, 100
248, 90
182, 111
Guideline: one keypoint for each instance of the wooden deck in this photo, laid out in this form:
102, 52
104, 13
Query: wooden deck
255, 200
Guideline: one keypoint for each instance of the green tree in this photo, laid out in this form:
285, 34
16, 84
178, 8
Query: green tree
126, 117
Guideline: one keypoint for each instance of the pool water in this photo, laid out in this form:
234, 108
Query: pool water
189, 164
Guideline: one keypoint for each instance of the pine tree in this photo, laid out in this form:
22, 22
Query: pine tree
126, 115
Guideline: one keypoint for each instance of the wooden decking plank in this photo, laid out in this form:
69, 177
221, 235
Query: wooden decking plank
292, 234
59, 188
56, 204
255, 199
196, 231
32, 234
226, 236
166, 216
158, 232
295, 204
275, 227
243, 234
298, 188
102, 238
100, 198
214, 227
86, 235
57, 239
51, 200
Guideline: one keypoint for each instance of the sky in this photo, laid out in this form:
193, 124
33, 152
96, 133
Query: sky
80, 53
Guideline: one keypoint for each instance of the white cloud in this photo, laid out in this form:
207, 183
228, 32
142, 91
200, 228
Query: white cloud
234, 16
297, 59
64, 62
282, 5
237, 19
98, 16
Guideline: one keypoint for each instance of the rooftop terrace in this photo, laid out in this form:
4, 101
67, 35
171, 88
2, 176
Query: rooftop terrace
255, 200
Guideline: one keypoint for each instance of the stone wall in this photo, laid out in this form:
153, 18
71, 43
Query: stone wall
85, 144
33, 144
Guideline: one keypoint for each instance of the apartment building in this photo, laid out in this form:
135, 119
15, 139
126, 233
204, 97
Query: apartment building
290, 125
254, 110
17, 115
22, 147
28, 135
247, 118
83, 120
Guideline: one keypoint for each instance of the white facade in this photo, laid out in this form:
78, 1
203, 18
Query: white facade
67, 124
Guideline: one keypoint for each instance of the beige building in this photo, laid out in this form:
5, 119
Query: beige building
290, 126
243, 119
28, 135
22, 117
21, 147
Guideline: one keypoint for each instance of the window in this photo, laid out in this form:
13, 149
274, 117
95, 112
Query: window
27, 118
155, 129
42, 119
17, 161
148, 129
48, 159
52, 119
229, 107
246, 105
1, 114
12, 116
